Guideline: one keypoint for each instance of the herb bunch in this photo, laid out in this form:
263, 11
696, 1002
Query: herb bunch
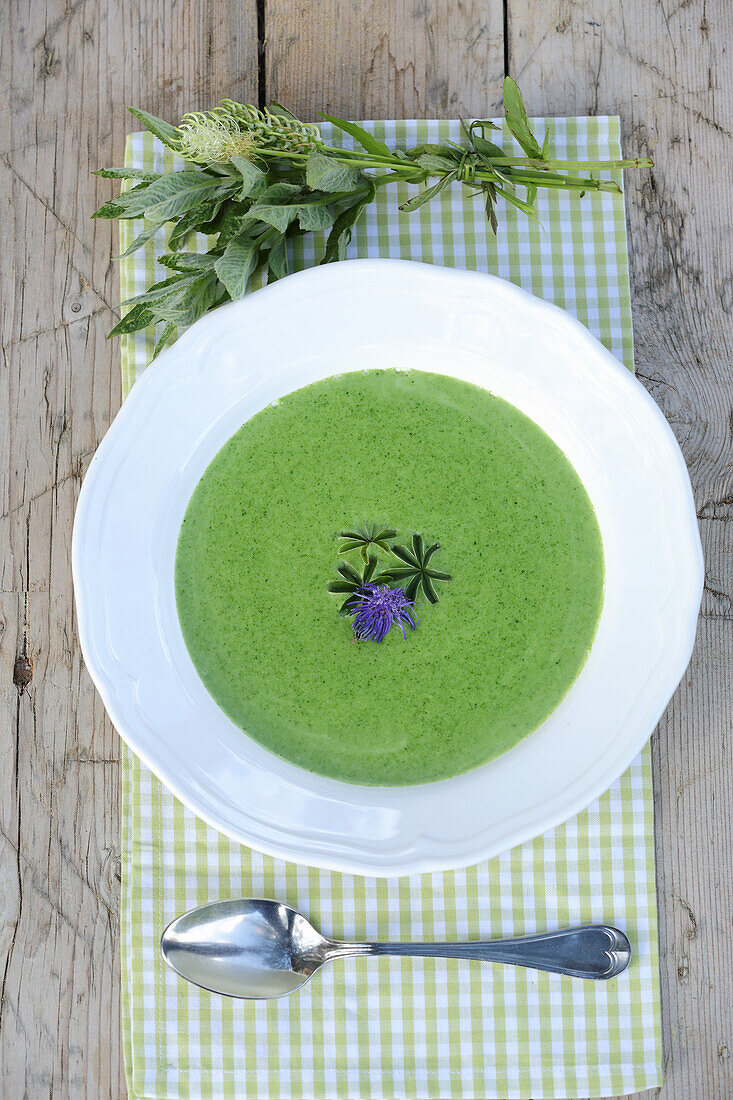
254, 179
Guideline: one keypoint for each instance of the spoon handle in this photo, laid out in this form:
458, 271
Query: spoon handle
594, 951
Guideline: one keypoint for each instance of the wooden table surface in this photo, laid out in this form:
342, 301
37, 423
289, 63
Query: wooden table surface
71, 66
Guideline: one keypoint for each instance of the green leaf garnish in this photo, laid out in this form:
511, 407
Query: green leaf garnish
415, 573
365, 537
351, 580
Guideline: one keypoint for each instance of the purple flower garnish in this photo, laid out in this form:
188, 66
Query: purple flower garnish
376, 607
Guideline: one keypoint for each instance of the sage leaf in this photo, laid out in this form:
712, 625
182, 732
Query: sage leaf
279, 216
171, 196
111, 209
168, 134
188, 261
161, 292
200, 297
188, 302
277, 259
126, 174
136, 318
276, 108
236, 265
253, 179
340, 235
141, 239
324, 173
116, 208
280, 192
312, 217
163, 339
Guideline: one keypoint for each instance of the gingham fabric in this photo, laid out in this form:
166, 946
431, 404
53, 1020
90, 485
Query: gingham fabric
393, 1028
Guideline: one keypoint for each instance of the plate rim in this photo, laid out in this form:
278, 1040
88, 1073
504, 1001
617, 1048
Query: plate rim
474, 850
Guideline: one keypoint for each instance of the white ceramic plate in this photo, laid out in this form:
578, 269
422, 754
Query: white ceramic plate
353, 316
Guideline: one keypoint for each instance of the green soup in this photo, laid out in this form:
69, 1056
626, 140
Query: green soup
416, 452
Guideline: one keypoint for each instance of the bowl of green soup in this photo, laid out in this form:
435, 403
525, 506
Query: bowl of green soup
387, 567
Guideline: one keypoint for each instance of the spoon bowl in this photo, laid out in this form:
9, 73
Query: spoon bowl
257, 949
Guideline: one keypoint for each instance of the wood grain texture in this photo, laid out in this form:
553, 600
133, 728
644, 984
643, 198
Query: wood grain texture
371, 59
71, 67
665, 68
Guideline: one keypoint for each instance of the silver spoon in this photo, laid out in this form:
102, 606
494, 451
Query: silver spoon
262, 949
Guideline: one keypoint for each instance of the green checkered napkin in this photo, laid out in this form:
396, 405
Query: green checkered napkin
393, 1028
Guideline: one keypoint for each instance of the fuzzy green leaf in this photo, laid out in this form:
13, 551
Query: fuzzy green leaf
276, 108
109, 209
350, 544
236, 265
142, 238
277, 259
135, 319
343, 227
253, 178
172, 195
280, 192
182, 229
279, 216
161, 291
188, 261
312, 217
324, 173
398, 573
203, 296
190, 303
126, 174
116, 208
168, 134
429, 553
163, 339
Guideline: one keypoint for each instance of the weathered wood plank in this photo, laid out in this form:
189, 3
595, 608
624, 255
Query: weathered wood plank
71, 69
665, 68
368, 59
